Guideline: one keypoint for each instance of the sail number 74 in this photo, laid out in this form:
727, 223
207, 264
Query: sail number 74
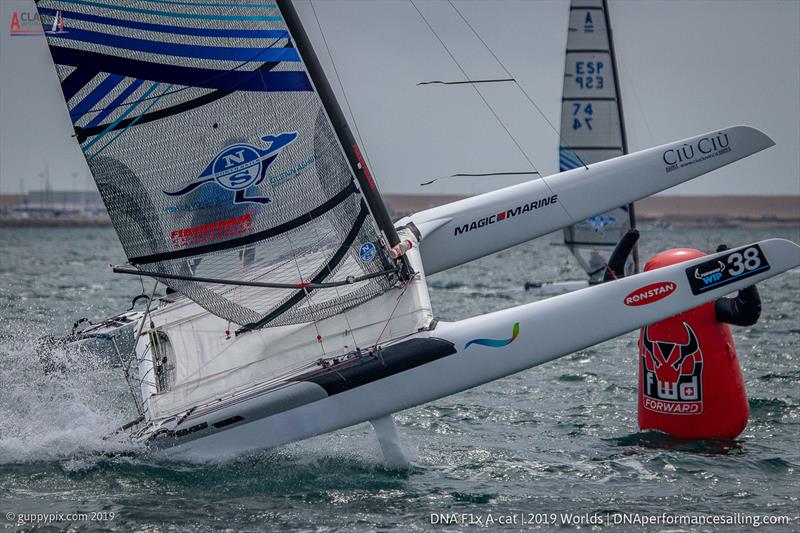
582, 116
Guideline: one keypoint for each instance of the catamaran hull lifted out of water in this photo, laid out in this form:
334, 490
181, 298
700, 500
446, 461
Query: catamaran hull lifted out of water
447, 358
455, 356
231, 175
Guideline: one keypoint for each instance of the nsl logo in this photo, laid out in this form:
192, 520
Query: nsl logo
672, 375
240, 166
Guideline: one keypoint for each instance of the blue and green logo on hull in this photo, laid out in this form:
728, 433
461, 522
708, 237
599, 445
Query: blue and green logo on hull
496, 343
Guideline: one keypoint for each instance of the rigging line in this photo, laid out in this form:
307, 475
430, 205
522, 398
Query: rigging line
127, 380
338, 295
632, 84
440, 82
406, 285
524, 92
143, 407
499, 121
305, 285
341, 85
311, 305
464, 174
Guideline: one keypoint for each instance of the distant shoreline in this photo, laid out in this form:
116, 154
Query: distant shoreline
665, 211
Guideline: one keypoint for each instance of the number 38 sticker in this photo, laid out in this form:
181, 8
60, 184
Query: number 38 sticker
731, 267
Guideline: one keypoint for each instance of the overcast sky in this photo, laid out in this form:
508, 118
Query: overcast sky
687, 67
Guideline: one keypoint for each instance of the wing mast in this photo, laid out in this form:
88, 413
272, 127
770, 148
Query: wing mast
622, 127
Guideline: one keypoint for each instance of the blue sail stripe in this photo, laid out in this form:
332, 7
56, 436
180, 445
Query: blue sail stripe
206, 4
570, 157
134, 121
119, 118
571, 162
189, 76
95, 95
165, 28
118, 101
171, 13
567, 152
222, 53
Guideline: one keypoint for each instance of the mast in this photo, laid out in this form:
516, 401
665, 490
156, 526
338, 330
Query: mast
623, 130
341, 128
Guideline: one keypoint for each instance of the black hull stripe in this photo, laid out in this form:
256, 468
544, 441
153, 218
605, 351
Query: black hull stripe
340, 197
338, 378
319, 278
386, 362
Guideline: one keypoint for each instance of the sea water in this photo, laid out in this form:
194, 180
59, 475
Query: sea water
554, 445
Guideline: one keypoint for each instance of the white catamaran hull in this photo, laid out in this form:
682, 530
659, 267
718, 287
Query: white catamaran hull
433, 362
459, 232
484, 348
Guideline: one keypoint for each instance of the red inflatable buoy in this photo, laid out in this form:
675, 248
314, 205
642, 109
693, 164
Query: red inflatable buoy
690, 383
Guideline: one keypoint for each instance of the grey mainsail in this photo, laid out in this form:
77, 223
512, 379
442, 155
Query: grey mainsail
216, 156
593, 129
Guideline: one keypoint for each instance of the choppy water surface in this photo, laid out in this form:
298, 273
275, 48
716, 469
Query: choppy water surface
560, 438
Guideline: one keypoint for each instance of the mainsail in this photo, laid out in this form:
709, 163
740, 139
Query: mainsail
593, 128
220, 153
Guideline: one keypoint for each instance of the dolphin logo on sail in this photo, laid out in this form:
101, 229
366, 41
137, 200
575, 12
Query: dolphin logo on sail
240, 166
496, 343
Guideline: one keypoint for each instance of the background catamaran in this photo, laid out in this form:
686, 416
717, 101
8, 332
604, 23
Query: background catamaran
592, 130
299, 308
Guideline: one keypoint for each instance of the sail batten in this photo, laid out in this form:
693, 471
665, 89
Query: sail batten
592, 128
217, 157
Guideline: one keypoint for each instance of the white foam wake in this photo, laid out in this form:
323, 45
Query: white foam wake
60, 414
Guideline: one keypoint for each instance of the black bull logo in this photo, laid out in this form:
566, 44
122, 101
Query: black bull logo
668, 378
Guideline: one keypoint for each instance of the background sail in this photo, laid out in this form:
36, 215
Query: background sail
592, 128
214, 154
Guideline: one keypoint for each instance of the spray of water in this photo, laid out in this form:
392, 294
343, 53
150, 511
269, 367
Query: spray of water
57, 403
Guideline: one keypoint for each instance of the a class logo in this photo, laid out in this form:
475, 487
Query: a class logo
31, 23
588, 25
240, 166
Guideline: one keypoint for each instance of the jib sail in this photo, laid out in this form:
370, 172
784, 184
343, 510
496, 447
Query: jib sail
217, 156
593, 128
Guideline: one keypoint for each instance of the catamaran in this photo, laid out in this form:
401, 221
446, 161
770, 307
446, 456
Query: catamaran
592, 130
295, 306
